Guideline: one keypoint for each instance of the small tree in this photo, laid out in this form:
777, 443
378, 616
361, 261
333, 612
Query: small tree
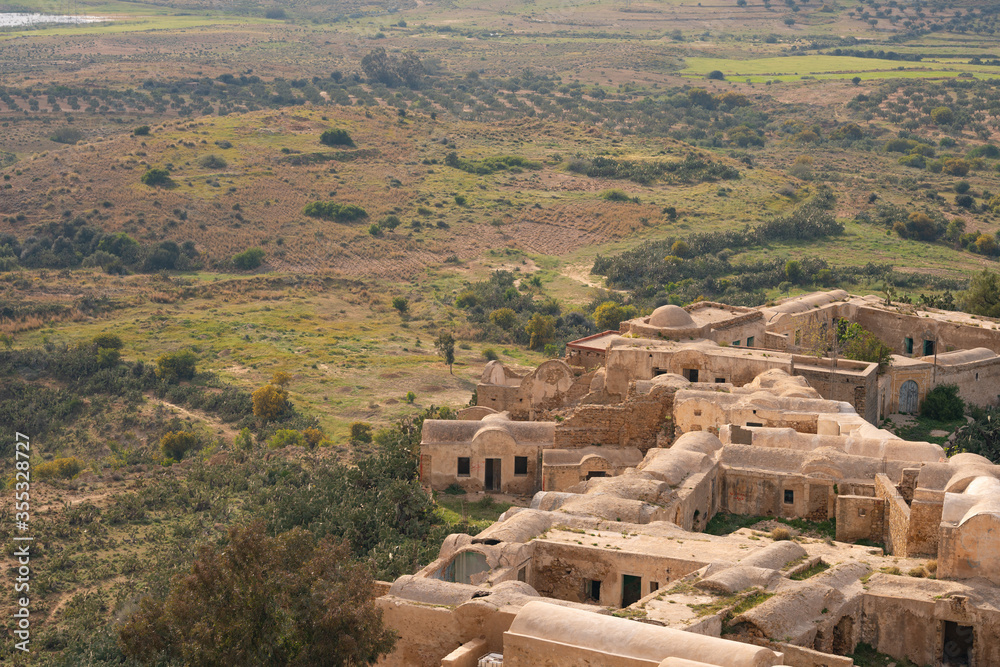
401, 304
336, 137
541, 329
504, 318
155, 176
176, 444
281, 378
141, 131
249, 259
267, 601
176, 366
445, 345
270, 402
361, 432
943, 403
983, 295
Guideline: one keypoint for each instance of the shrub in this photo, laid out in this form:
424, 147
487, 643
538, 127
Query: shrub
212, 161
943, 116
389, 222
313, 436
361, 432
270, 402
943, 403
965, 201
615, 195
244, 440
716, 75
108, 341
504, 318
176, 444
141, 131
286, 437
401, 304
156, 176
249, 259
64, 468
490, 354
66, 135
334, 211
173, 367
410, 397
779, 534
336, 137
460, 200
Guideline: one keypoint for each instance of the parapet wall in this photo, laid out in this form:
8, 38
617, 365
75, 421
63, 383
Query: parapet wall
897, 520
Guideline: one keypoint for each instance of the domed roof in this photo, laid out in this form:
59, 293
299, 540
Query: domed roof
671, 317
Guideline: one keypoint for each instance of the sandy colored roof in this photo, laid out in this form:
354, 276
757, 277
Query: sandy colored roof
959, 357
671, 317
461, 431
618, 456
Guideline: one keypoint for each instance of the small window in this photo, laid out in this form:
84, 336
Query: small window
522, 574
736, 343
697, 413
720, 380
750, 341
596, 473
463, 466
690, 374
758, 424
977, 377
654, 586
520, 466
592, 590
908, 345
862, 511
789, 496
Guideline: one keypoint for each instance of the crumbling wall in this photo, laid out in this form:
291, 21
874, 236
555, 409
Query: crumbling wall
925, 523
897, 519
635, 423
860, 518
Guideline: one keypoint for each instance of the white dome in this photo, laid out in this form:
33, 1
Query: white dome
671, 317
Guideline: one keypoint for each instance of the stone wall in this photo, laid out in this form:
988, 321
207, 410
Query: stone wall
635, 423
762, 493
978, 382
860, 518
897, 516
925, 523
562, 570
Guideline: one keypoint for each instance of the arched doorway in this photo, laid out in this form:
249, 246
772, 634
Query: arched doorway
908, 397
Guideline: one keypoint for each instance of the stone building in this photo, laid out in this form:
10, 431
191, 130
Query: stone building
610, 565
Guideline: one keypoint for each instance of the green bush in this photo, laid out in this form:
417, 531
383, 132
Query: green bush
361, 432
943, 403
286, 437
64, 468
334, 211
176, 444
336, 137
212, 161
66, 135
108, 341
173, 367
141, 131
249, 259
155, 176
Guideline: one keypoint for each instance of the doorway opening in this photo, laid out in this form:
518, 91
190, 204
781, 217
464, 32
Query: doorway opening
631, 589
492, 481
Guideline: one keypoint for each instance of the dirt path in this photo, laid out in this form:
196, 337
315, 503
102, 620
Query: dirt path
217, 425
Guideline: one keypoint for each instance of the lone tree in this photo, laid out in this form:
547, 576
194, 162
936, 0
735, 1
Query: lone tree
262, 600
156, 176
336, 137
445, 345
270, 402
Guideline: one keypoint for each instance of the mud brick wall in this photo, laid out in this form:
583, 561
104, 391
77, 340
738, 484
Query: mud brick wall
897, 519
634, 423
860, 518
925, 523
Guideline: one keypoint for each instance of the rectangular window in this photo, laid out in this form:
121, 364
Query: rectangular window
690, 374
928, 348
520, 466
463, 466
720, 380
736, 343
750, 341
908, 345
654, 586
522, 574
789, 496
